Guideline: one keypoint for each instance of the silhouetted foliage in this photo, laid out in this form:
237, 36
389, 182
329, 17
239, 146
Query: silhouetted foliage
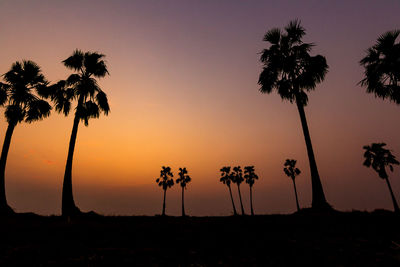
91, 101
291, 71
382, 67
165, 181
226, 178
291, 171
250, 177
183, 180
378, 157
237, 178
23, 95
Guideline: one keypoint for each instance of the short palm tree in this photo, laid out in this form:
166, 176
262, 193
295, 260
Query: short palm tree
183, 180
238, 179
226, 178
379, 158
23, 95
165, 181
291, 171
382, 67
91, 101
291, 71
250, 176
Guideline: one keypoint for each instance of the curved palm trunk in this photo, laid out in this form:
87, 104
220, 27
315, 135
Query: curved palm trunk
233, 203
318, 196
4, 208
295, 192
395, 205
251, 201
183, 202
240, 198
163, 206
68, 205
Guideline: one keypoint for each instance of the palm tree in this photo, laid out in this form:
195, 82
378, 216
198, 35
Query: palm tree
23, 95
292, 72
379, 158
291, 171
238, 179
165, 181
382, 67
91, 100
183, 180
226, 178
250, 176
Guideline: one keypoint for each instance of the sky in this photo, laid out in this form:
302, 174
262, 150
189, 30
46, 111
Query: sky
183, 92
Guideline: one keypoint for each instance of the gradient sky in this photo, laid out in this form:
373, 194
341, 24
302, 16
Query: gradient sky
183, 92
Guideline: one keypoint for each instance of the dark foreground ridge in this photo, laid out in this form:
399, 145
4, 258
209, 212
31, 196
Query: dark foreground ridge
303, 239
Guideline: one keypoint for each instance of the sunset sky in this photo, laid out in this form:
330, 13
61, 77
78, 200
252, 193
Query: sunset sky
183, 92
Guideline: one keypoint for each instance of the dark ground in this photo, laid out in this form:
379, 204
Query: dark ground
339, 239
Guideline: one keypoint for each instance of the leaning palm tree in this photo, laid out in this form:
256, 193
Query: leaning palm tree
292, 72
382, 67
23, 95
250, 176
238, 179
379, 158
91, 101
165, 181
183, 180
226, 178
291, 171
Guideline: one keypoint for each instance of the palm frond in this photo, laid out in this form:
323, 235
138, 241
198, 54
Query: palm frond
74, 62
102, 101
37, 110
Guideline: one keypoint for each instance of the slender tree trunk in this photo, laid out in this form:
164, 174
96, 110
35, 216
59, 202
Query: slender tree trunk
183, 202
4, 208
251, 201
233, 203
318, 196
240, 198
295, 192
68, 205
395, 205
163, 206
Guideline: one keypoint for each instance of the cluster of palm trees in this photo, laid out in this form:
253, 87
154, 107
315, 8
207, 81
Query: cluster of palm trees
166, 181
27, 97
290, 70
236, 177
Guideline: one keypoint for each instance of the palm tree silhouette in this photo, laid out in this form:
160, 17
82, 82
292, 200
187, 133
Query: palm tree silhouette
165, 181
81, 85
292, 72
226, 178
237, 178
382, 67
379, 158
23, 95
183, 180
250, 176
291, 171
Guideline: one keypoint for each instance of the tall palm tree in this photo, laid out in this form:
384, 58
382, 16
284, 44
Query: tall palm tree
91, 101
238, 179
379, 158
23, 95
250, 176
226, 178
291, 171
382, 67
183, 180
165, 181
292, 72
